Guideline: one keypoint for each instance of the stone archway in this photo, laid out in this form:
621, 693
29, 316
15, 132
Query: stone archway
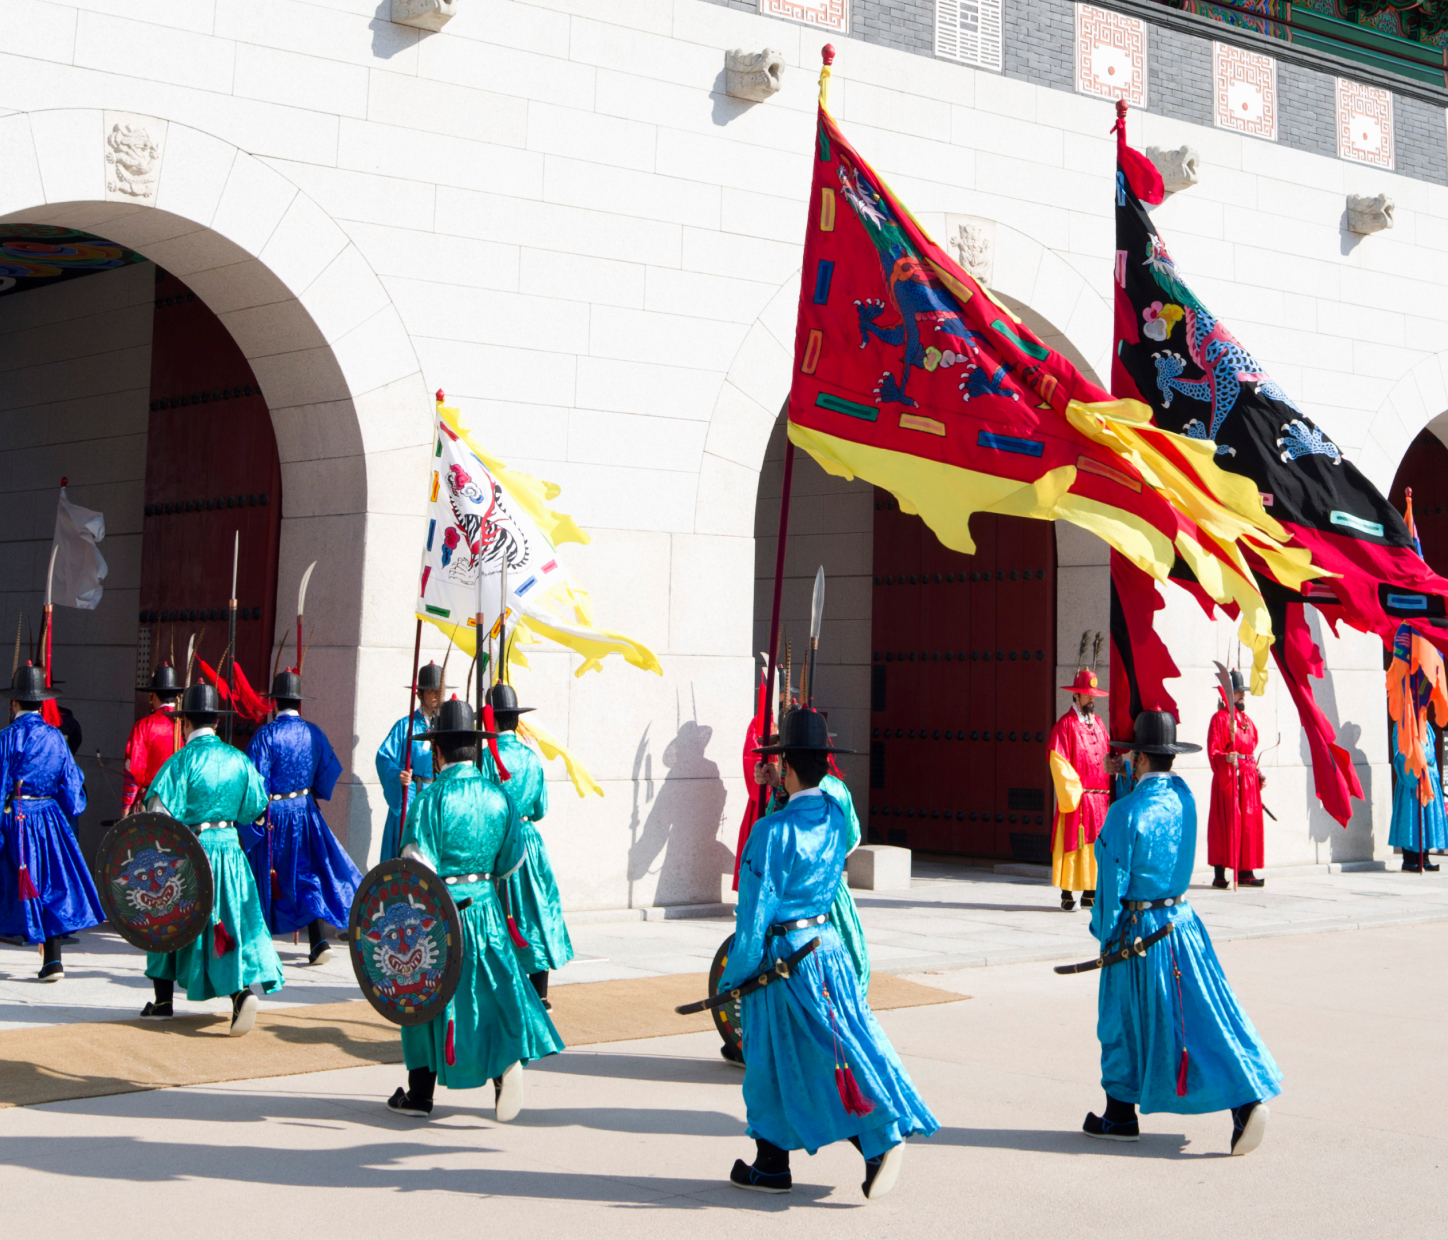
1416, 401
336, 365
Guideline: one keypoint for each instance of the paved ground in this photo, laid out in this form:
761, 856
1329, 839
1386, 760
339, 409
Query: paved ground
951, 917
640, 1135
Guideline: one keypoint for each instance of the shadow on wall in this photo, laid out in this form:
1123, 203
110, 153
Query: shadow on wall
678, 838
1356, 842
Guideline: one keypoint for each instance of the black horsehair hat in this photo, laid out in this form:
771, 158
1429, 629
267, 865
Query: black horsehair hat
504, 700
455, 722
1155, 733
803, 730
202, 699
1239, 685
429, 676
29, 686
287, 685
165, 680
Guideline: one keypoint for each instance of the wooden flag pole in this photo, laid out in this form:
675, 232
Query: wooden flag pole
766, 706
411, 715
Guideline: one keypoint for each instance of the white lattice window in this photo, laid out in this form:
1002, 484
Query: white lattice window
969, 31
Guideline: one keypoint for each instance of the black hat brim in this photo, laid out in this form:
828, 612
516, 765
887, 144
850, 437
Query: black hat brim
30, 697
513, 710
190, 714
1175, 747
473, 734
802, 749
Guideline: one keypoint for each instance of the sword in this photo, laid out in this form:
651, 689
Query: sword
1117, 954
816, 620
301, 611
779, 970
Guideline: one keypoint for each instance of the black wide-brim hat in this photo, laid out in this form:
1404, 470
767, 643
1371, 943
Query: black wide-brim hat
803, 731
202, 699
455, 722
1155, 732
429, 676
287, 685
28, 686
504, 700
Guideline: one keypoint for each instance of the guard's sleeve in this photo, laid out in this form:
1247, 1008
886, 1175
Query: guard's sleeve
512, 852
421, 829
760, 875
260, 754
389, 765
135, 757
329, 770
70, 791
1113, 869
166, 789
1067, 782
254, 799
540, 806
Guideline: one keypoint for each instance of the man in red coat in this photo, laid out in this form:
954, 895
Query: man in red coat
1079, 751
1236, 793
154, 739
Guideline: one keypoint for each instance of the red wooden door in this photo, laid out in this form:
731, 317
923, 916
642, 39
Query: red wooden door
961, 686
1425, 468
212, 471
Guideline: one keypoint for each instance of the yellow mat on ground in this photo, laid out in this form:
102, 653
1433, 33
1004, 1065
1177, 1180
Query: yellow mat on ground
52, 1063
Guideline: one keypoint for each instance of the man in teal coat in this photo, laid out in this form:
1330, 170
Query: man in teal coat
393, 771
1173, 1036
211, 787
465, 829
532, 890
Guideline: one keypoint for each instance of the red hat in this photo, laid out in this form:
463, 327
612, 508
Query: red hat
1085, 682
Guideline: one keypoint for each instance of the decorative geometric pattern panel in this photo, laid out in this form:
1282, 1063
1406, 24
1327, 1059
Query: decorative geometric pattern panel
1364, 123
1246, 91
969, 31
826, 14
1110, 55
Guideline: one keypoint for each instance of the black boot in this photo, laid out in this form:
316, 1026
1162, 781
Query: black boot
244, 1007
416, 1099
1430, 866
1412, 862
1118, 1124
1088, 898
882, 1171
160, 1008
769, 1174
1246, 878
1249, 1126
1219, 877
540, 984
51, 969
1068, 901
732, 1054
320, 950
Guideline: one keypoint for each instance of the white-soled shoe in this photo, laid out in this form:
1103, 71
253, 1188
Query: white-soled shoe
880, 1179
243, 1014
510, 1094
1249, 1136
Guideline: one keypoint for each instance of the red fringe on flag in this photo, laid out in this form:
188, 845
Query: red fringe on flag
249, 704
26, 886
854, 1101
223, 941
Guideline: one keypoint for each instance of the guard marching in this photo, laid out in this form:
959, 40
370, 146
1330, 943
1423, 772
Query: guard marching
212, 788
303, 876
532, 890
46, 891
392, 765
153, 739
1173, 1036
465, 829
1234, 826
818, 1067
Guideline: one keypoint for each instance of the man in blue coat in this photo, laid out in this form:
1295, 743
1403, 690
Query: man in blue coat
46, 890
392, 767
303, 876
1173, 1036
817, 1066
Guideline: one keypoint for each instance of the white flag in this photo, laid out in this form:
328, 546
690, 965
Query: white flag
79, 566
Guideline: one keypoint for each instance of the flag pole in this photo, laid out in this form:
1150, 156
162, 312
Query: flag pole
411, 716
231, 636
766, 706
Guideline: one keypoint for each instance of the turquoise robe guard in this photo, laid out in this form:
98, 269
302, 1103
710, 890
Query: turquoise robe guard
390, 758
1413, 823
1146, 851
463, 824
791, 869
207, 780
532, 889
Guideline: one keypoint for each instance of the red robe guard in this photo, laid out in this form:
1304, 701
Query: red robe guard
1078, 769
1246, 813
153, 739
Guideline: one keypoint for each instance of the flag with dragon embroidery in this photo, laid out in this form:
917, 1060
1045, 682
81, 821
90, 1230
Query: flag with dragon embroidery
911, 374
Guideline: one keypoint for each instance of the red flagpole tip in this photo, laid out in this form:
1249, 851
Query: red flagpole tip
1121, 107
65, 482
827, 52
440, 396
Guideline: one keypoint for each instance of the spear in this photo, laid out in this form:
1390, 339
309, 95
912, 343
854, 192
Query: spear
49, 612
231, 634
301, 611
816, 620
15, 662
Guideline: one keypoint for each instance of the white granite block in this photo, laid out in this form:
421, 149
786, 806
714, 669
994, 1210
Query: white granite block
879, 867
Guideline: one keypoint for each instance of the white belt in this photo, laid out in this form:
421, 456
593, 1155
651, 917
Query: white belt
288, 796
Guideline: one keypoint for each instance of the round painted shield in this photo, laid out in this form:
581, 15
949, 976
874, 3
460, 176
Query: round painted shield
727, 1018
155, 882
406, 941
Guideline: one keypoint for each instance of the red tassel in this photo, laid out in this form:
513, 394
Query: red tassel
27, 887
855, 1103
1182, 1076
224, 942
490, 726
276, 886
50, 712
515, 934
447, 1046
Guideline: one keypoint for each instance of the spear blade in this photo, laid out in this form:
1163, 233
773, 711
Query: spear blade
817, 606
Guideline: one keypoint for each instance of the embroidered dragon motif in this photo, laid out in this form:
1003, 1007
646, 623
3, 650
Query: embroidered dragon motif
1299, 440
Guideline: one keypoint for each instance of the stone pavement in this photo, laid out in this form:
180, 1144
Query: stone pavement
952, 917
638, 1137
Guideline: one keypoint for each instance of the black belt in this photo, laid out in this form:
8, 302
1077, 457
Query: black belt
452, 880
1140, 906
801, 923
